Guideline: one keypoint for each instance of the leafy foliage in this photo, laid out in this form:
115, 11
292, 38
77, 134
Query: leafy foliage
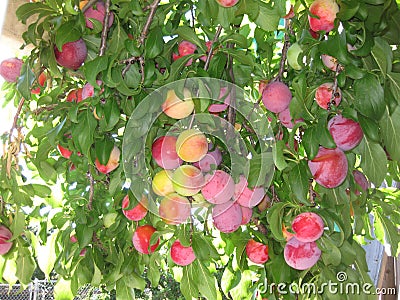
52, 199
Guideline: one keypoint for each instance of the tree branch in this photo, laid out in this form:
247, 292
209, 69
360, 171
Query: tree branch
131, 60
16, 116
104, 33
231, 108
210, 52
339, 69
285, 48
89, 5
91, 191
145, 31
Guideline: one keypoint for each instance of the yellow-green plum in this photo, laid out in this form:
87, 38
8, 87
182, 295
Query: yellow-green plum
187, 180
162, 183
174, 209
293, 54
177, 108
191, 145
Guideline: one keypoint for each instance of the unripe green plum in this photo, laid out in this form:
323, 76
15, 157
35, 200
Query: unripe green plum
293, 54
162, 183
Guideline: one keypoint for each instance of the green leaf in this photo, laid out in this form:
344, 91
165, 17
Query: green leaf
240, 56
25, 81
274, 218
227, 281
18, 224
373, 161
123, 290
94, 67
370, 128
84, 235
67, 33
383, 55
268, 17
207, 284
311, 141
188, 284
29, 9
279, 158
390, 128
117, 39
83, 133
391, 233
103, 150
394, 84
25, 265
299, 181
188, 34
369, 97
330, 252
154, 43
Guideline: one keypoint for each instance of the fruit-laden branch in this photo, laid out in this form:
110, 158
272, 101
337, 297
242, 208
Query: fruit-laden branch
104, 33
16, 116
210, 52
152, 7
88, 5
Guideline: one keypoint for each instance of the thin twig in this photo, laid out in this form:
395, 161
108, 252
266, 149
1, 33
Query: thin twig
214, 40
261, 227
41, 109
339, 69
16, 116
91, 191
285, 48
145, 31
231, 109
89, 5
104, 33
98, 242
152, 7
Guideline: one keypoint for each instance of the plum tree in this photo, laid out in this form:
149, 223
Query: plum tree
301, 255
10, 69
182, 255
141, 239
308, 227
257, 252
234, 120
72, 54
